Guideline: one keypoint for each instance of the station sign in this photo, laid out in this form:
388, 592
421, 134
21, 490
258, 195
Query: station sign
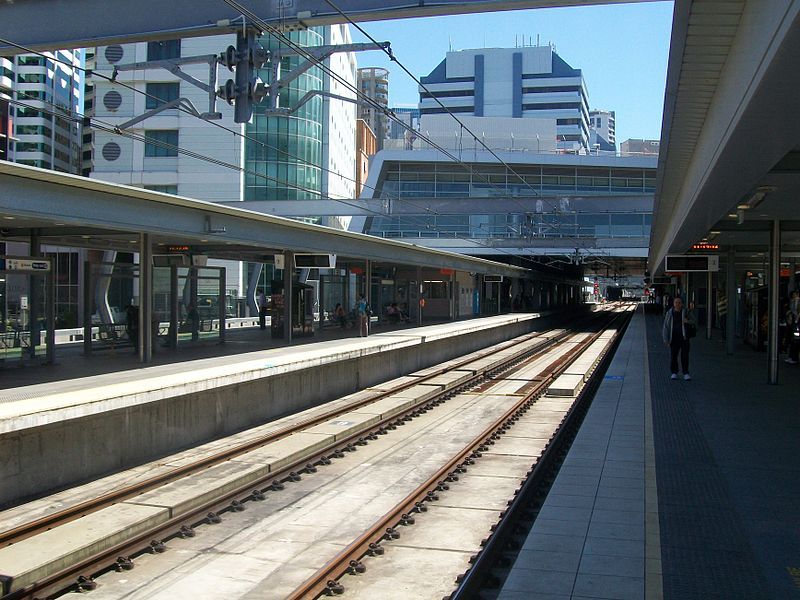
705, 246
24, 264
690, 263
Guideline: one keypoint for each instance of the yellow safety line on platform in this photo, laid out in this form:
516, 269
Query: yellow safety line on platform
653, 582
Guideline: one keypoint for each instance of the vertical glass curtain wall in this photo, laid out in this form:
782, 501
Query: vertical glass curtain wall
298, 135
443, 180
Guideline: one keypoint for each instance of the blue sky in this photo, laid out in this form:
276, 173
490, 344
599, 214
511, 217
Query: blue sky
622, 50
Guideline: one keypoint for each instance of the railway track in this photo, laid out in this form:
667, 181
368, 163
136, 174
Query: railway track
182, 523
349, 564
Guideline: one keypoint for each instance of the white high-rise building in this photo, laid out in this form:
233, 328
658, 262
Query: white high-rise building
527, 82
373, 82
158, 165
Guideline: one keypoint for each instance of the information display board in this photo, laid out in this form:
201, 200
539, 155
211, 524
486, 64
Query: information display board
686, 263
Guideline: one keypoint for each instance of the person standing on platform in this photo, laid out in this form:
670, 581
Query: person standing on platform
262, 310
363, 316
793, 325
674, 333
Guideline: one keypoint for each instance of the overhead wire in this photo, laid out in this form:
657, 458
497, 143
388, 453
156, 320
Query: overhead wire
112, 128
393, 58
264, 26
302, 51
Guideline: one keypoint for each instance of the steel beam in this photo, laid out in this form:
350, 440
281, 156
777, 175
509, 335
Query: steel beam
80, 23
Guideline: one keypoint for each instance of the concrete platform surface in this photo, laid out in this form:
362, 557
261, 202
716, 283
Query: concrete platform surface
673, 489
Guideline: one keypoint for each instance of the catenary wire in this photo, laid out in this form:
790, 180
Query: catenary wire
256, 20
113, 80
113, 129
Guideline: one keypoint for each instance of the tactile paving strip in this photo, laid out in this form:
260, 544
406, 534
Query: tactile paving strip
705, 551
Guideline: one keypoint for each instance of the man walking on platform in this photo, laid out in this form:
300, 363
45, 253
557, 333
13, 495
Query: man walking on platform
675, 335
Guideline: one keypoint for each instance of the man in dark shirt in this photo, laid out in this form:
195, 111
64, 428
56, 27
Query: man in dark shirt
674, 334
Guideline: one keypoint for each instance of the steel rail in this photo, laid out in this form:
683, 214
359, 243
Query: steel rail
324, 581
55, 583
481, 564
81, 509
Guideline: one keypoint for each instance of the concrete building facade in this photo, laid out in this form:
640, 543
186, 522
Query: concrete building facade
604, 123
640, 146
373, 82
43, 125
529, 82
339, 133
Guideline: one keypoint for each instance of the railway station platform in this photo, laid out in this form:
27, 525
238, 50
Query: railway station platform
673, 489
61, 433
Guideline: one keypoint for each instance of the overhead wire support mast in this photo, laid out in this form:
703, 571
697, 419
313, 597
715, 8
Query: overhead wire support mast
394, 59
260, 23
118, 130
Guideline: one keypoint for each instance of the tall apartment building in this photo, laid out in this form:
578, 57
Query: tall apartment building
374, 83
41, 105
44, 128
528, 82
604, 122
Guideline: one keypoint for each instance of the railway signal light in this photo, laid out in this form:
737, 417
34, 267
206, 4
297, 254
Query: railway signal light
247, 88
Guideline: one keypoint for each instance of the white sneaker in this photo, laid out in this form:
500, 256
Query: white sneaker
791, 361
687, 377
674, 376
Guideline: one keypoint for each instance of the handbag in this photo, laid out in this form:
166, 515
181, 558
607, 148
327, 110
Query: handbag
691, 330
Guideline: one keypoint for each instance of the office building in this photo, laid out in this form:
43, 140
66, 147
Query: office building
339, 134
528, 82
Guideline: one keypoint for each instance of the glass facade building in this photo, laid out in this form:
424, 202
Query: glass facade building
401, 180
292, 145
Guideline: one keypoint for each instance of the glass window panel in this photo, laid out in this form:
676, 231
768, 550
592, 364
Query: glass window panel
160, 93
160, 143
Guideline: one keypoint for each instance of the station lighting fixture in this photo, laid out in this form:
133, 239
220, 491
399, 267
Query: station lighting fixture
757, 197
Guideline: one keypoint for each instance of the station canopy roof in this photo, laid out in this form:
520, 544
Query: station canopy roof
73, 211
